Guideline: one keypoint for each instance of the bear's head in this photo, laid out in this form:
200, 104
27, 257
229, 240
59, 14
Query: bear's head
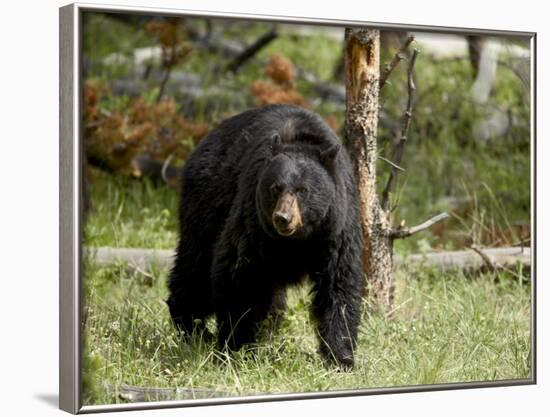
296, 188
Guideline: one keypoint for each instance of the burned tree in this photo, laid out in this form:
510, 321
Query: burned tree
363, 83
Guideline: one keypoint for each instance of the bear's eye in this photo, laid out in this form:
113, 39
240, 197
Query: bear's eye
276, 188
301, 190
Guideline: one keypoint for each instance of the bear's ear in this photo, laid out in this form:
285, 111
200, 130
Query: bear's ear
328, 156
276, 144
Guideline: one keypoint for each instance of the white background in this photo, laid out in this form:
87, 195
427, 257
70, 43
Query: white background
29, 205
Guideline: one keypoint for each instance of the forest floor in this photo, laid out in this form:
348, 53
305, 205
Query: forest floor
446, 327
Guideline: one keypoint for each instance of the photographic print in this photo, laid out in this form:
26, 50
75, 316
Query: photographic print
270, 208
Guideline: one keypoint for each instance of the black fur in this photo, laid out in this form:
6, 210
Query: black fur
230, 260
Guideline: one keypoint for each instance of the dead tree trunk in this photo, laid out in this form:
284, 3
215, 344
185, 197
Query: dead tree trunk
362, 69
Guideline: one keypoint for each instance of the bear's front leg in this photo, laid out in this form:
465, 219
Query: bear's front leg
241, 299
239, 313
237, 326
337, 316
337, 302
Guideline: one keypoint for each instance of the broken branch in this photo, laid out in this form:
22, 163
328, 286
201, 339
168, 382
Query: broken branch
490, 264
391, 163
145, 166
397, 58
164, 168
252, 50
493, 266
404, 132
403, 232
164, 81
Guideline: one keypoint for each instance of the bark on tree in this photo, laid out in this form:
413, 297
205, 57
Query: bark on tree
362, 68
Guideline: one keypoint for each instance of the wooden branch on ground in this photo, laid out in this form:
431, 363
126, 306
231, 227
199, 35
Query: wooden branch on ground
404, 132
140, 394
144, 166
490, 264
164, 169
449, 260
404, 232
397, 58
252, 50
467, 260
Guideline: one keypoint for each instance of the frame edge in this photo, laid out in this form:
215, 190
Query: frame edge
69, 357
70, 212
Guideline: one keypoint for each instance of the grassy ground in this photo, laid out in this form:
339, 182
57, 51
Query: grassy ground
446, 328
129, 213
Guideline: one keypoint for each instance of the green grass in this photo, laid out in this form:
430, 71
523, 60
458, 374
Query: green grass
447, 328
129, 213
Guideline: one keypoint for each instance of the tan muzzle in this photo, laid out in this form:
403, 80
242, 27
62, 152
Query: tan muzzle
287, 217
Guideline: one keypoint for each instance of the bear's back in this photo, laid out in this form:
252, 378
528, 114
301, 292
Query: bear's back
244, 140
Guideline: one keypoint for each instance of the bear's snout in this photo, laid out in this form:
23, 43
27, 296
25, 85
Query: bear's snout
281, 219
287, 218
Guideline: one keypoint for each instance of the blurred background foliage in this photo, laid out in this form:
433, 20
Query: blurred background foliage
154, 87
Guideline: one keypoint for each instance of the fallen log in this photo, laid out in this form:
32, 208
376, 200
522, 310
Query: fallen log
464, 259
140, 394
159, 172
468, 259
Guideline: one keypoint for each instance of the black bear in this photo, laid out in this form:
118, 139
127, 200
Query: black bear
268, 198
